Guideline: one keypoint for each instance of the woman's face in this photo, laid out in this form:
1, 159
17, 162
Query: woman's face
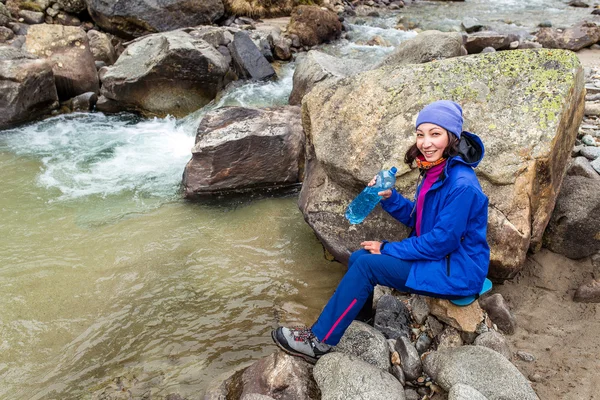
431, 141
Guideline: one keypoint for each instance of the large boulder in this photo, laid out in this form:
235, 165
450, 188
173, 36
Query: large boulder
140, 17
345, 377
526, 106
367, 343
68, 49
166, 73
314, 25
574, 229
241, 148
426, 46
249, 62
584, 34
481, 368
316, 67
27, 88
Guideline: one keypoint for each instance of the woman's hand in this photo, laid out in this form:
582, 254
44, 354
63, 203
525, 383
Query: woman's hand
372, 247
386, 194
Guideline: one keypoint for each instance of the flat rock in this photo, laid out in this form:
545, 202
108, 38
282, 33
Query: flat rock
478, 41
366, 343
464, 319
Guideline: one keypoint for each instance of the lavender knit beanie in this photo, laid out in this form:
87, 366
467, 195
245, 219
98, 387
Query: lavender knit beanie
444, 113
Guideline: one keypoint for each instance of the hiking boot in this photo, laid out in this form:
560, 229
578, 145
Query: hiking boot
300, 342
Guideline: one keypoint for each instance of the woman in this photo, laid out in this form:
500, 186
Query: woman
446, 255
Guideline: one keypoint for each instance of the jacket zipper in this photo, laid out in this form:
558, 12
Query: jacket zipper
448, 265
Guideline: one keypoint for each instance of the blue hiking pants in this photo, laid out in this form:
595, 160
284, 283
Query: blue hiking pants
365, 270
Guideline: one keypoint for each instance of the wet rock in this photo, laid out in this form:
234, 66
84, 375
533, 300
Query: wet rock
72, 6
581, 35
317, 67
426, 46
101, 47
137, 18
235, 147
461, 391
423, 343
464, 319
419, 309
335, 175
495, 341
67, 48
578, 3
481, 368
249, 62
366, 343
342, 376
499, 313
525, 356
478, 41
392, 317
591, 153
410, 360
166, 73
449, 338
314, 25
545, 24
574, 229
27, 88
588, 292
108, 106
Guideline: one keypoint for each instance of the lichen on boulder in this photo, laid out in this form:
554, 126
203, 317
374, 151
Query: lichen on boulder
526, 106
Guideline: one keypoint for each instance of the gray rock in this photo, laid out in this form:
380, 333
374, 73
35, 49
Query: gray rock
137, 18
235, 147
27, 89
392, 317
84, 102
344, 377
592, 108
481, 368
101, 47
588, 140
464, 392
488, 50
588, 292
527, 44
166, 73
419, 309
581, 166
434, 326
247, 58
317, 67
32, 17
423, 343
449, 338
596, 165
411, 362
545, 24
396, 370
427, 46
499, 313
367, 343
5, 16
282, 48
495, 341
574, 227
471, 25
590, 152
256, 396
411, 394
72, 6
108, 106
478, 41
6, 34
525, 356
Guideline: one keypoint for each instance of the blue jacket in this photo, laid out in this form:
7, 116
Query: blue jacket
451, 256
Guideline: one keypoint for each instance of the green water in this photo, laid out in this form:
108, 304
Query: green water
165, 293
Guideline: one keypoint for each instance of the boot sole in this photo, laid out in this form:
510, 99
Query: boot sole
305, 357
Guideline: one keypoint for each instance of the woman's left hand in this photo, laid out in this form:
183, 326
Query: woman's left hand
372, 246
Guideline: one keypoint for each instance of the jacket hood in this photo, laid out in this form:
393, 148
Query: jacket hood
470, 150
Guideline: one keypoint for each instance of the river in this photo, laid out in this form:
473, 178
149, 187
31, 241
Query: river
108, 277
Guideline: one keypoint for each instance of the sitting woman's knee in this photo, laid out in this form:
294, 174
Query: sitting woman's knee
356, 255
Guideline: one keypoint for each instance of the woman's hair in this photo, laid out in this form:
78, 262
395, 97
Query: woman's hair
450, 151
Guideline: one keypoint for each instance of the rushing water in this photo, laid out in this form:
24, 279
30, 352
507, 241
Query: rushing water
106, 273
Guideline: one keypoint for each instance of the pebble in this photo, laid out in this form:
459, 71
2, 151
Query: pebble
523, 355
535, 377
588, 140
590, 152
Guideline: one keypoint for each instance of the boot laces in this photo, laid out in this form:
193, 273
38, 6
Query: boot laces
302, 334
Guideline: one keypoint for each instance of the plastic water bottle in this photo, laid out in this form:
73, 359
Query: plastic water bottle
366, 201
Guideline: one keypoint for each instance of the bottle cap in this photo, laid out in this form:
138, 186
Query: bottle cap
393, 170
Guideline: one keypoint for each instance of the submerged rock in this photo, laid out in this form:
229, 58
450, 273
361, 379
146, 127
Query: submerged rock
526, 106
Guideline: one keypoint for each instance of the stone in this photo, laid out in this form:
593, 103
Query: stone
471, 25
166, 73
84, 102
392, 317
495, 341
375, 113
464, 319
488, 50
341, 376
527, 44
591, 153
27, 89
574, 229
588, 292
6, 34
461, 391
481, 368
396, 370
235, 147
596, 165
67, 19
317, 67
525, 356
411, 394
434, 326
68, 49
31, 17
419, 309
314, 25
425, 47
101, 47
478, 41
410, 360
131, 19
592, 108
256, 396
281, 48
72, 6
249, 62
499, 312
588, 140
581, 166
581, 35
5, 16
365, 342
108, 106
578, 3
449, 338
423, 343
